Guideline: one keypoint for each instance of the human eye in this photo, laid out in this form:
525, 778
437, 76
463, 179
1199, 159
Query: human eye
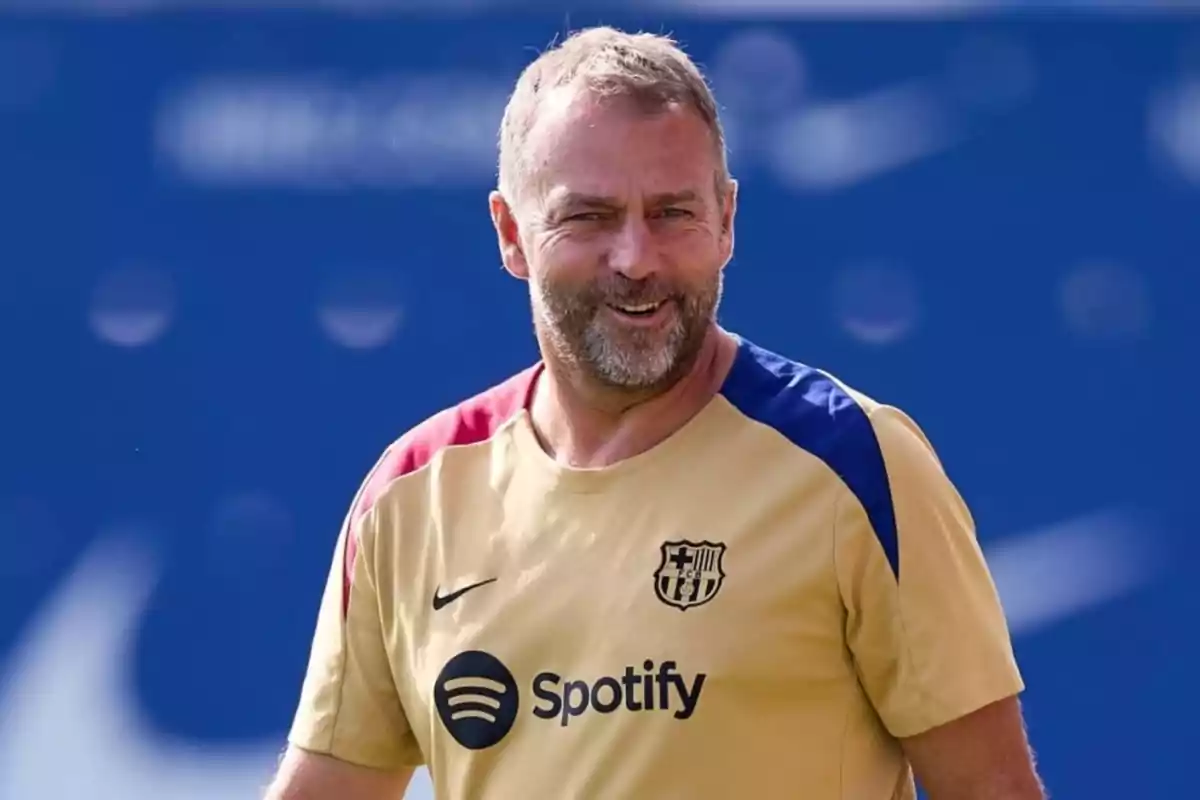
674, 212
585, 216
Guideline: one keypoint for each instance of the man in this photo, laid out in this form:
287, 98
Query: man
664, 562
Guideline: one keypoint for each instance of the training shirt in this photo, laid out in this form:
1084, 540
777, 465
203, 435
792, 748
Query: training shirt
759, 606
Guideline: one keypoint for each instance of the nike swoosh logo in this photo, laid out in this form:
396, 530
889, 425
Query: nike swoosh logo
68, 681
920, 126
440, 600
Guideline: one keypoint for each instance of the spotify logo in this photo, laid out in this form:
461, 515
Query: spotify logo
477, 699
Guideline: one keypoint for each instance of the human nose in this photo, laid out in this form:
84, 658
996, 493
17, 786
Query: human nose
632, 252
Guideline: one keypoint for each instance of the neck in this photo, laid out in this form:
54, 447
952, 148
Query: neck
587, 426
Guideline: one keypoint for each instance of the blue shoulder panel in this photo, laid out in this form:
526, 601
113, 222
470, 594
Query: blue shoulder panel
817, 415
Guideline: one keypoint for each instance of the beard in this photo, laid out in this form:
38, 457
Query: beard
577, 326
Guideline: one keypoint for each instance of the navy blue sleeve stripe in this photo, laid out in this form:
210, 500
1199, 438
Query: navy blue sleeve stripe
818, 416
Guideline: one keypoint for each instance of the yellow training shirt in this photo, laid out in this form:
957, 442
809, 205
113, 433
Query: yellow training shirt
757, 607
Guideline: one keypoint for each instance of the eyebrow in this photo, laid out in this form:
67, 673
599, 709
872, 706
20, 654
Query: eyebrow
600, 201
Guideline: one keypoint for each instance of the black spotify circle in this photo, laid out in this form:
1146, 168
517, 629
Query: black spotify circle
477, 699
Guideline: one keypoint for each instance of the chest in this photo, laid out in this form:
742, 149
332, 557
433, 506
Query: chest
614, 593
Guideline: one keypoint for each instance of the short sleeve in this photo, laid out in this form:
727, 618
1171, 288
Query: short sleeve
349, 706
923, 621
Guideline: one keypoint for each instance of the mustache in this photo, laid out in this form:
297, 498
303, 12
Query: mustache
628, 292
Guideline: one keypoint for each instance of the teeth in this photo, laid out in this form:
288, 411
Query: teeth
640, 309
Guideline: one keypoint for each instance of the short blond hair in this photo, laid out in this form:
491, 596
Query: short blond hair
650, 69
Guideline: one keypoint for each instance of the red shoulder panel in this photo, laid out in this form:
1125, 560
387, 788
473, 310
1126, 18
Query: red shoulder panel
470, 422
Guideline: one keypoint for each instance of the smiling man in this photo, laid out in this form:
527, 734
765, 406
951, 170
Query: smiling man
663, 562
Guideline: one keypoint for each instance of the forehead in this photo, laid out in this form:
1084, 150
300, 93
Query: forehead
584, 144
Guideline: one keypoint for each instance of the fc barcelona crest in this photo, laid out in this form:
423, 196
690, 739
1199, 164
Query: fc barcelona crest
690, 574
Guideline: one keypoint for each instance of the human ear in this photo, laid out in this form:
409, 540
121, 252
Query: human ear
508, 236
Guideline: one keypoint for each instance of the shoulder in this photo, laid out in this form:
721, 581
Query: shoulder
819, 414
809, 407
472, 421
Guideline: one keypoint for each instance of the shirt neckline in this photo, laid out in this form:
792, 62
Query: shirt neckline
588, 480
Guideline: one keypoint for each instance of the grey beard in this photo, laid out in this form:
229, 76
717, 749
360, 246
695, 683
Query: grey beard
634, 362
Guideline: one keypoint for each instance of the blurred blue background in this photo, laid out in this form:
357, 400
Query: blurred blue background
244, 249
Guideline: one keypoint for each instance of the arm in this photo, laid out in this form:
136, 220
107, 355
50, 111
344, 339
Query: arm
310, 776
926, 629
350, 739
982, 756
